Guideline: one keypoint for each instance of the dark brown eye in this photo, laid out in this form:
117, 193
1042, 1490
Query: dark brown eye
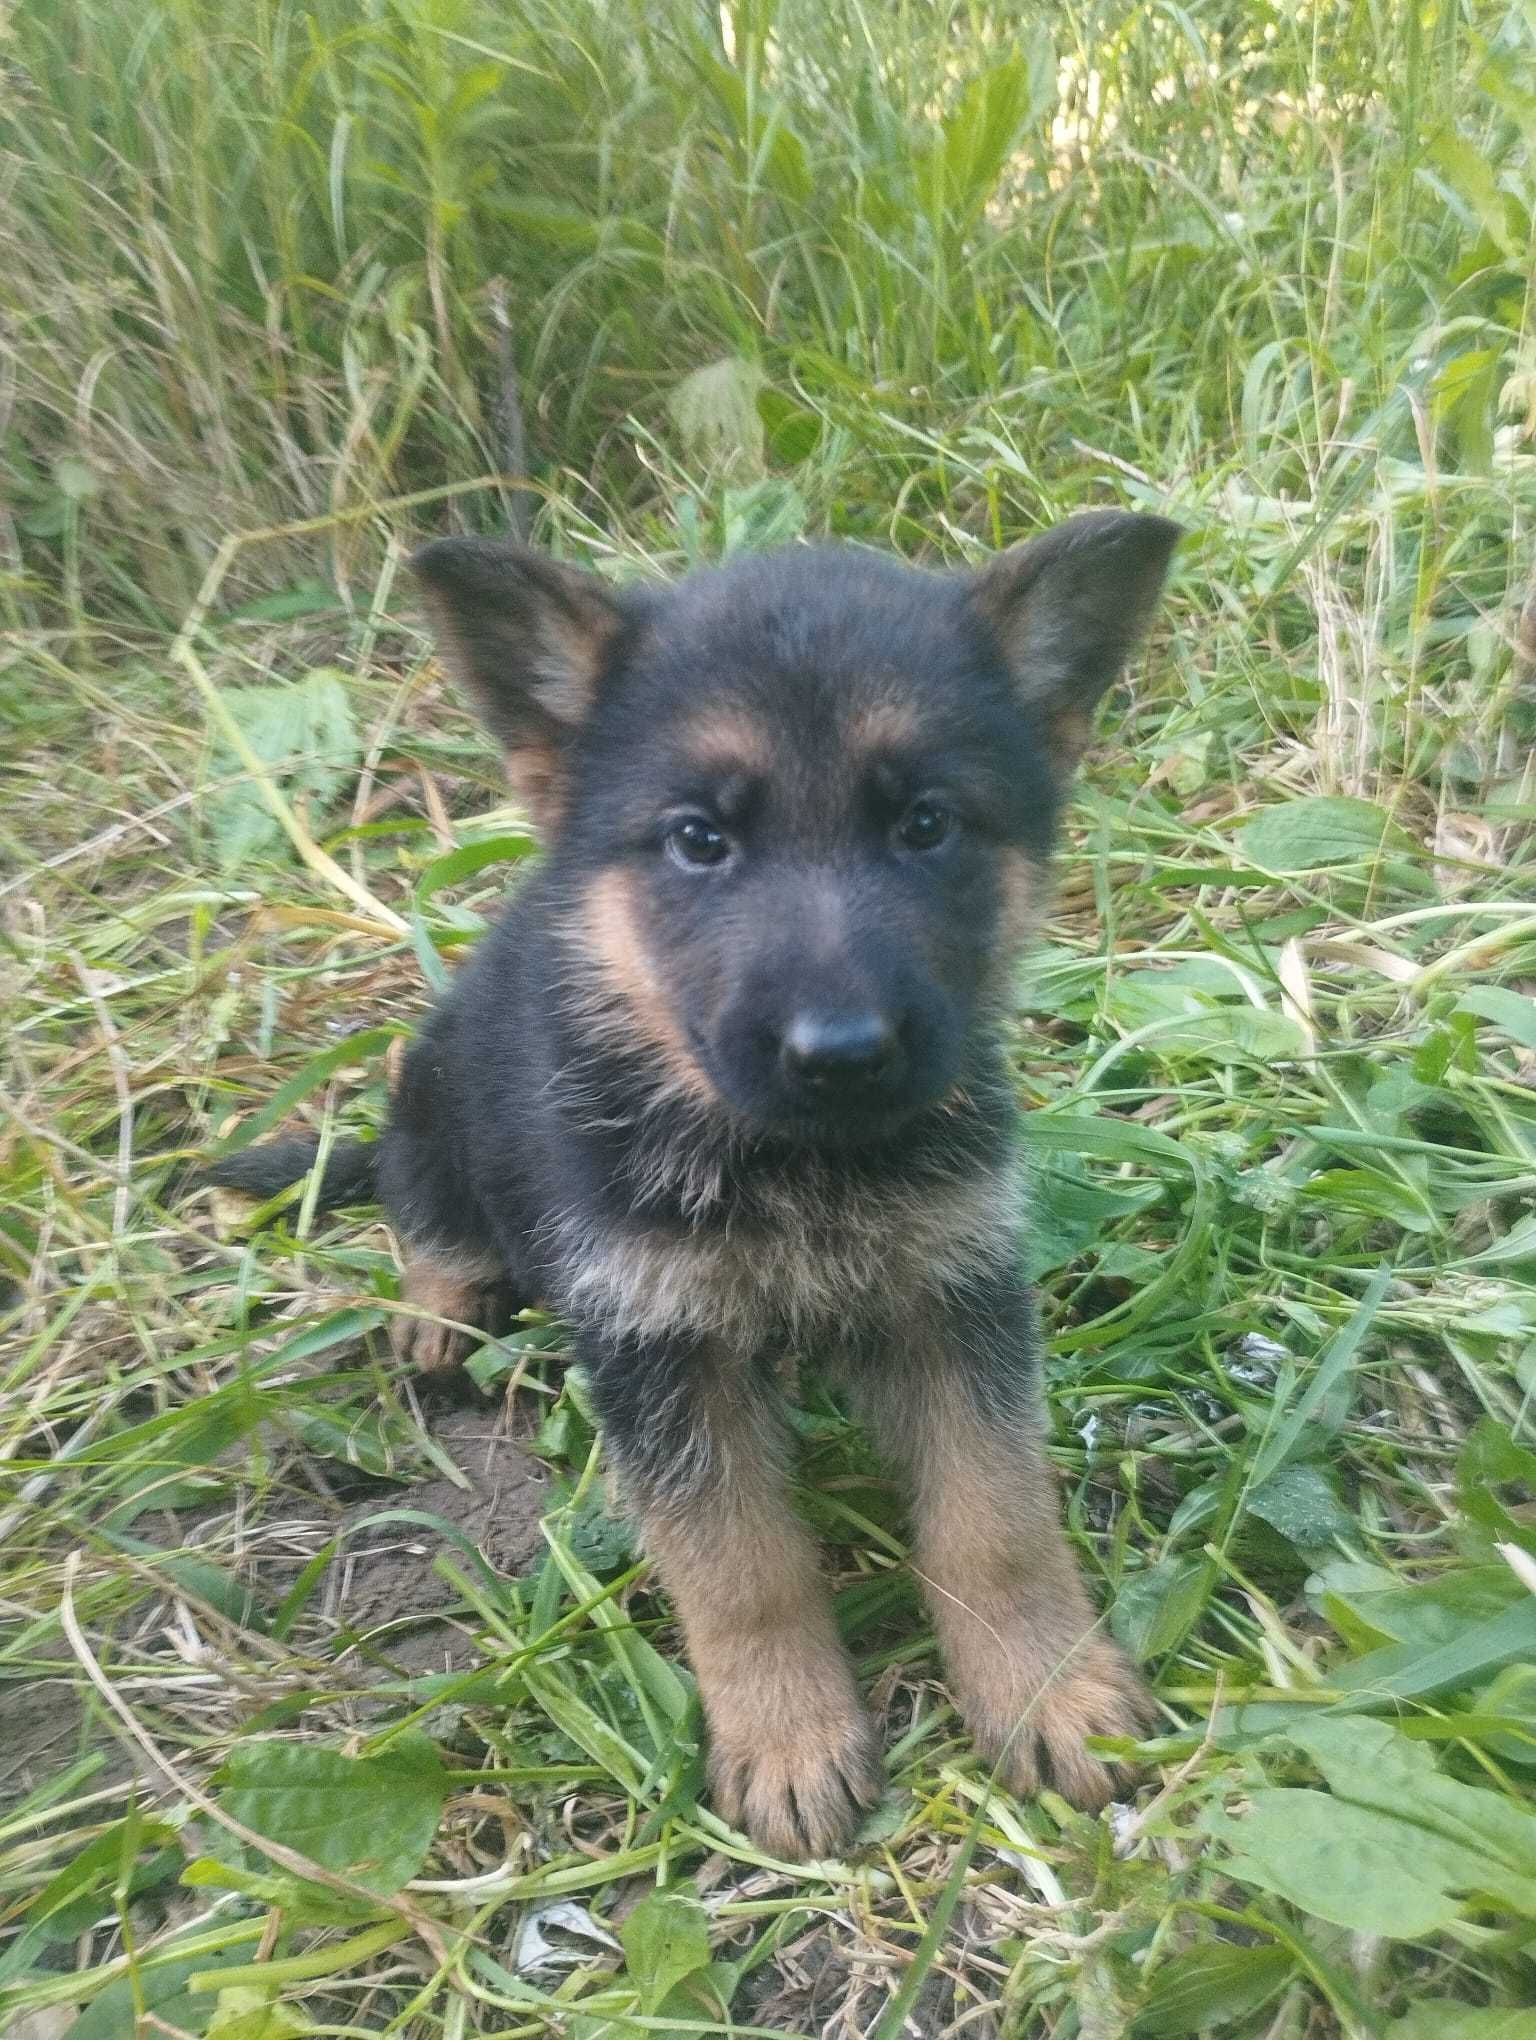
924, 825
697, 843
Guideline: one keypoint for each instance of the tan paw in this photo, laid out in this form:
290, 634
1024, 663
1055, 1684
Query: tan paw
447, 1307
1037, 1729
798, 1791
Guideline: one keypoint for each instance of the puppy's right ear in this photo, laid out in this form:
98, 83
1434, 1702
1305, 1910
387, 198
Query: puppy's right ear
530, 640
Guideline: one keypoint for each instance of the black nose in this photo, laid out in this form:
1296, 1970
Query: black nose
826, 1051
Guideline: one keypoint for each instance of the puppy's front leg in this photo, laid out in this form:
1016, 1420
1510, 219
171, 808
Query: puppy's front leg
702, 1449
958, 1403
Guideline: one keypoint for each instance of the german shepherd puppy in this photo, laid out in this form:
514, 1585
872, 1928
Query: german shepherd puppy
727, 1083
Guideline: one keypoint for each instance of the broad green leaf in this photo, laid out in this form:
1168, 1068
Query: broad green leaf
336, 1328
1511, 1695
1398, 1847
75, 479
1173, 1017
1491, 1456
1369, 1605
666, 1940
1361, 1869
1444, 2019
794, 431
1108, 1138
1148, 998
1511, 1012
1464, 400
1322, 830
1467, 171
1068, 1210
546, 220
79, 1893
778, 156
1209, 1985
983, 130
161, 1988
371, 1817
768, 512
304, 734
1373, 1194
1502, 78
247, 2012
497, 1358
1372, 1764
783, 161
1299, 1502
1155, 1610
1058, 980
372, 1439
1408, 1672
302, 1902
304, 598
1395, 1095
1489, 1464
550, 1687
595, 1536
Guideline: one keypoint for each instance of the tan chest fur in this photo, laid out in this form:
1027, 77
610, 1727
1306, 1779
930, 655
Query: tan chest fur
814, 1263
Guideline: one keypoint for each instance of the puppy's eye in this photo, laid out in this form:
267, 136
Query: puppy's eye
697, 843
924, 825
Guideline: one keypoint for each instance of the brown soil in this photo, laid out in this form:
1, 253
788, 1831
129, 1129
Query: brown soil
381, 1585
385, 1571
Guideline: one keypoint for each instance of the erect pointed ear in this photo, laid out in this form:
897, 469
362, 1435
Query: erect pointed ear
528, 638
1068, 608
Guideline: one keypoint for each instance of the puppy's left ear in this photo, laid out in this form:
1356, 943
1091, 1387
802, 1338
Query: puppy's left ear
1067, 610
530, 640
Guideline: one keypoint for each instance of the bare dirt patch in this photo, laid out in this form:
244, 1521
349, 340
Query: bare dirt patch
382, 1586
387, 1569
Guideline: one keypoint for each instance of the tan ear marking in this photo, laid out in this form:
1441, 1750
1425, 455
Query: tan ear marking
537, 779
1068, 608
529, 638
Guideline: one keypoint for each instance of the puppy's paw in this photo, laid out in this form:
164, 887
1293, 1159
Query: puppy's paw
799, 1784
429, 1347
448, 1305
1035, 1717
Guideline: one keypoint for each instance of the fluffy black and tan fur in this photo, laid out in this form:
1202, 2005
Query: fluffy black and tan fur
726, 1083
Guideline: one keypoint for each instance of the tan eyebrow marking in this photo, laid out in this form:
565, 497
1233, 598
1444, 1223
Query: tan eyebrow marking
884, 726
728, 740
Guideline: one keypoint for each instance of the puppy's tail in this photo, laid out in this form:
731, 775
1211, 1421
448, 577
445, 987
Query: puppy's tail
351, 1170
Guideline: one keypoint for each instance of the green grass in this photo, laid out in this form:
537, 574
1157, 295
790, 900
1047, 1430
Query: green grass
921, 276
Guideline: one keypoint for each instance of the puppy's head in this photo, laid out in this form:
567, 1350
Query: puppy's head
800, 805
